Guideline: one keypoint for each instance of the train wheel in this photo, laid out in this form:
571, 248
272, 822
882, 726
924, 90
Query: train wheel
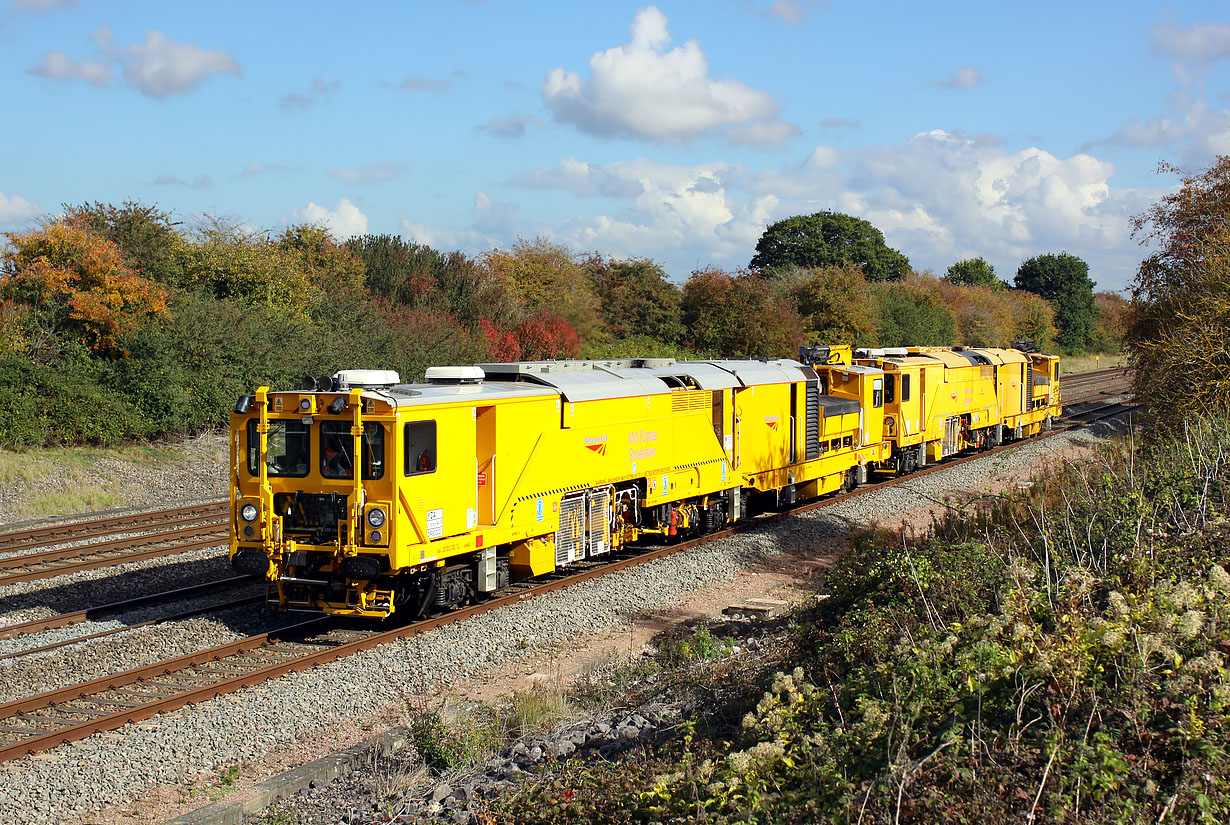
851, 480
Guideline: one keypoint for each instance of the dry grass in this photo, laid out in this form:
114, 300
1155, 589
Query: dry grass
22, 466
1086, 363
67, 502
536, 709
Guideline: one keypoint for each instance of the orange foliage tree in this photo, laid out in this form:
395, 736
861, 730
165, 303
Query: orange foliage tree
78, 280
739, 315
547, 335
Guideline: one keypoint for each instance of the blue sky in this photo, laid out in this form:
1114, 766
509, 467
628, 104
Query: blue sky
673, 131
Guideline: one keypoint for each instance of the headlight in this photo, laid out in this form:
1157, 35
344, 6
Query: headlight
248, 512
305, 404
375, 536
375, 517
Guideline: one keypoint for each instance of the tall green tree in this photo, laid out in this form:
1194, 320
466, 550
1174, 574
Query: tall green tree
911, 316
146, 236
972, 272
398, 270
1063, 280
636, 298
828, 238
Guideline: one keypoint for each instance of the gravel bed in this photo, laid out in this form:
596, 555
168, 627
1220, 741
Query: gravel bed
24, 601
14, 646
196, 742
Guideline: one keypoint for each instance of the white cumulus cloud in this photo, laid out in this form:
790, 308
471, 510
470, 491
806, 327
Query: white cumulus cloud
643, 90
344, 220
1201, 42
16, 209
822, 157
57, 65
937, 197
159, 67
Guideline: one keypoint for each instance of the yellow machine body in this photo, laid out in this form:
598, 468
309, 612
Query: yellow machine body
509, 471
942, 400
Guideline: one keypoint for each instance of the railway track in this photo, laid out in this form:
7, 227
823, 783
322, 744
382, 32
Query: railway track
25, 540
101, 612
54, 551
89, 545
1082, 386
73, 712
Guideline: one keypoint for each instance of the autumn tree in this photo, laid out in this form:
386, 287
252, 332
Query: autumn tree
327, 264
1063, 280
828, 239
835, 303
146, 236
636, 298
973, 272
1111, 324
1180, 312
739, 314
227, 260
1034, 320
78, 281
548, 278
547, 336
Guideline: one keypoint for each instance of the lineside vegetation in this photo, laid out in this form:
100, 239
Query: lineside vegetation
121, 323
1051, 656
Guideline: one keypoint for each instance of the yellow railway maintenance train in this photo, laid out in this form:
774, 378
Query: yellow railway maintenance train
361, 495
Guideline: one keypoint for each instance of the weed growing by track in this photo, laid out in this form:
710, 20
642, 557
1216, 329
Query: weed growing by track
1057, 655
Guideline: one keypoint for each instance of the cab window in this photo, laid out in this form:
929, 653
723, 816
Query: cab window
337, 446
877, 392
905, 387
288, 448
890, 388
420, 438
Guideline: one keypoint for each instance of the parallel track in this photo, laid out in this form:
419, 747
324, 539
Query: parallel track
23, 540
74, 559
74, 712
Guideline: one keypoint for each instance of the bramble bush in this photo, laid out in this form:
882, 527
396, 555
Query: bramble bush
1052, 656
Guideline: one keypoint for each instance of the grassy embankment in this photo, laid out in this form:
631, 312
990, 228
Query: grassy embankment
1056, 655
66, 480
1085, 363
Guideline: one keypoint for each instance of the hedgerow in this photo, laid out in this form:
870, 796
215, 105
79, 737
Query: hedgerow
1051, 656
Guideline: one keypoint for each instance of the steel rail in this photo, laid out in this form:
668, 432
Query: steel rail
79, 565
80, 530
183, 614
133, 711
98, 611
64, 553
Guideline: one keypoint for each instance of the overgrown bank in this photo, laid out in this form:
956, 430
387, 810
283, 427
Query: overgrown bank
1056, 656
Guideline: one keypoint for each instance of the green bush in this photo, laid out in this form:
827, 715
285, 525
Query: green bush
1052, 656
